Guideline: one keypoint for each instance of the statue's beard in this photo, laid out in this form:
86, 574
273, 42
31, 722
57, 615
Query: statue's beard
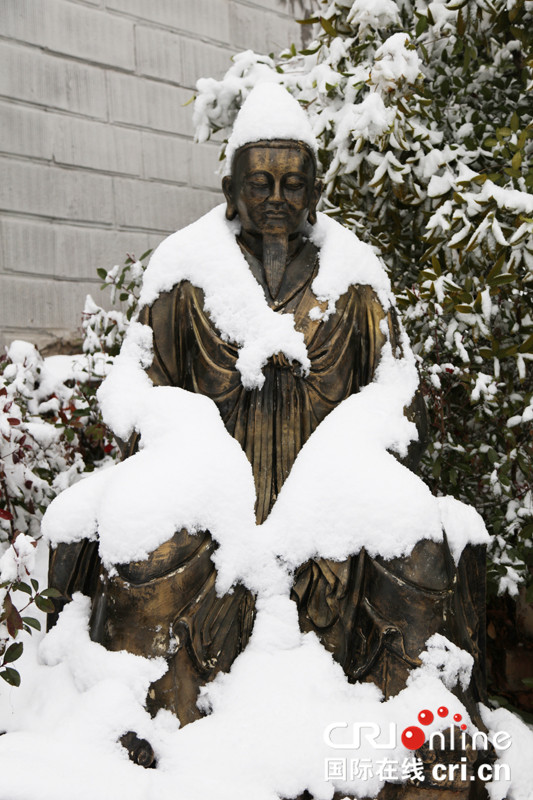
275, 251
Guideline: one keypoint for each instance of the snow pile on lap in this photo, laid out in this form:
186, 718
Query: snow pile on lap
190, 473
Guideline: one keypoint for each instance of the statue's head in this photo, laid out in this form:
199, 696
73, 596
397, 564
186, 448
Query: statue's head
273, 187
271, 165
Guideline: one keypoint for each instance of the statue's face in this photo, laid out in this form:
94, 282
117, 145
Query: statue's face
272, 188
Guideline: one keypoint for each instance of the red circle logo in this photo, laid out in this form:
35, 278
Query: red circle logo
426, 717
413, 737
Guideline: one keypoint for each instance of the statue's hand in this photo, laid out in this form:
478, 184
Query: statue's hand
139, 750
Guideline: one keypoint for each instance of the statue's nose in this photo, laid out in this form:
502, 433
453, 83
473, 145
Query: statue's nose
276, 195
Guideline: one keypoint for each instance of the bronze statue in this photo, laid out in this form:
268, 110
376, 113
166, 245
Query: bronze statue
373, 615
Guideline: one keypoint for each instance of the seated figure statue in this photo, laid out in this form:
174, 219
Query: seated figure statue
373, 615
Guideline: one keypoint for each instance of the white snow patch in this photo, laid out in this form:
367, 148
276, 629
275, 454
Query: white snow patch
269, 112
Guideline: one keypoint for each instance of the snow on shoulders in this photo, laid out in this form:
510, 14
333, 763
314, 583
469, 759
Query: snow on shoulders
461, 522
206, 253
345, 261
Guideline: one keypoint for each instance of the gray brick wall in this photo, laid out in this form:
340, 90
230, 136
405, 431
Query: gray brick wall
97, 157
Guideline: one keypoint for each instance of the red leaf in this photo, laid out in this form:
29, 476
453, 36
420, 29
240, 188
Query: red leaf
14, 622
5, 515
13, 421
13, 618
8, 405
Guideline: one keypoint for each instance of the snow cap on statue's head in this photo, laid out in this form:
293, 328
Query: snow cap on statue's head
269, 113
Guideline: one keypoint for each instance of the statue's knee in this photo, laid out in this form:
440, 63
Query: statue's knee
426, 566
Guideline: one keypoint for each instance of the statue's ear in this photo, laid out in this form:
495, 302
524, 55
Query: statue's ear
227, 188
315, 197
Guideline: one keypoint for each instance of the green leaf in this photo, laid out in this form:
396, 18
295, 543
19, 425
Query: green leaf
102, 273
50, 592
35, 584
13, 652
145, 254
515, 122
22, 587
492, 455
461, 25
421, 25
527, 346
44, 604
501, 280
436, 266
308, 52
11, 676
527, 531
32, 622
497, 268
512, 350
328, 27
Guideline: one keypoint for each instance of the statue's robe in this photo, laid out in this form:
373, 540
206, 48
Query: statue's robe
373, 616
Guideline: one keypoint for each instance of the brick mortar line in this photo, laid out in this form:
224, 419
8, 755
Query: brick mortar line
30, 277
35, 217
117, 123
47, 109
19, 43
12, 331
84, 224
166, 26
137, 21
66, 167
45, 162
112, 227
44, 107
